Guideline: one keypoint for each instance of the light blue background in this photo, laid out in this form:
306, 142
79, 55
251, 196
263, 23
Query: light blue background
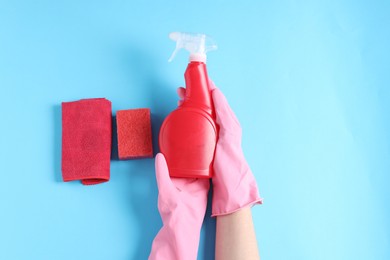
309, 82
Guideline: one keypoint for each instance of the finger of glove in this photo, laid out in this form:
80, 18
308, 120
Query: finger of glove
225, 116
181, 92
165, 185
191, 185
212, 85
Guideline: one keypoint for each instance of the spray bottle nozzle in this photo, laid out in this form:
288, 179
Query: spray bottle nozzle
196, 44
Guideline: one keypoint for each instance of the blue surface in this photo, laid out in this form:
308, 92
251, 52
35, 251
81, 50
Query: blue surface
309, 82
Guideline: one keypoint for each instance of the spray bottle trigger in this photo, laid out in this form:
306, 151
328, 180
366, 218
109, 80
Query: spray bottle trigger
175, 36
173, 54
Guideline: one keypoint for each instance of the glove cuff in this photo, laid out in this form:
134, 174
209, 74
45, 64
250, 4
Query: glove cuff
227, 200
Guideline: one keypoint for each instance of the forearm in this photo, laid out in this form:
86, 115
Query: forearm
182, 206
175, 243
236, 238
179, 236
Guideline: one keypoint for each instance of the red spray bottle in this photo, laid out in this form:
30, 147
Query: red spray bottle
188, 135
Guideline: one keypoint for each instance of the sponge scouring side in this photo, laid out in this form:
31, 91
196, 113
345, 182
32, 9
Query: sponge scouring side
134, 133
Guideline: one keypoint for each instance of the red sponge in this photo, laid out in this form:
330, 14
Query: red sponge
134, 133
86, 140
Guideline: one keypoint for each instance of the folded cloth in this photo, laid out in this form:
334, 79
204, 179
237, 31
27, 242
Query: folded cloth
86, 140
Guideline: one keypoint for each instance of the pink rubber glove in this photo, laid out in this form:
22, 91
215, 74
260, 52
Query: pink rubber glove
234, 186
182, 206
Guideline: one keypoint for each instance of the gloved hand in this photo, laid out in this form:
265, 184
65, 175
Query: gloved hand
234, 186
182, 206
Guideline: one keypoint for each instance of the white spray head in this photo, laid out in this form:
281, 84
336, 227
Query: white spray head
197, 44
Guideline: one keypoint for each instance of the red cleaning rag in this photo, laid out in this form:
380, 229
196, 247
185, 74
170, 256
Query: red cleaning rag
86, 140
134, 133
